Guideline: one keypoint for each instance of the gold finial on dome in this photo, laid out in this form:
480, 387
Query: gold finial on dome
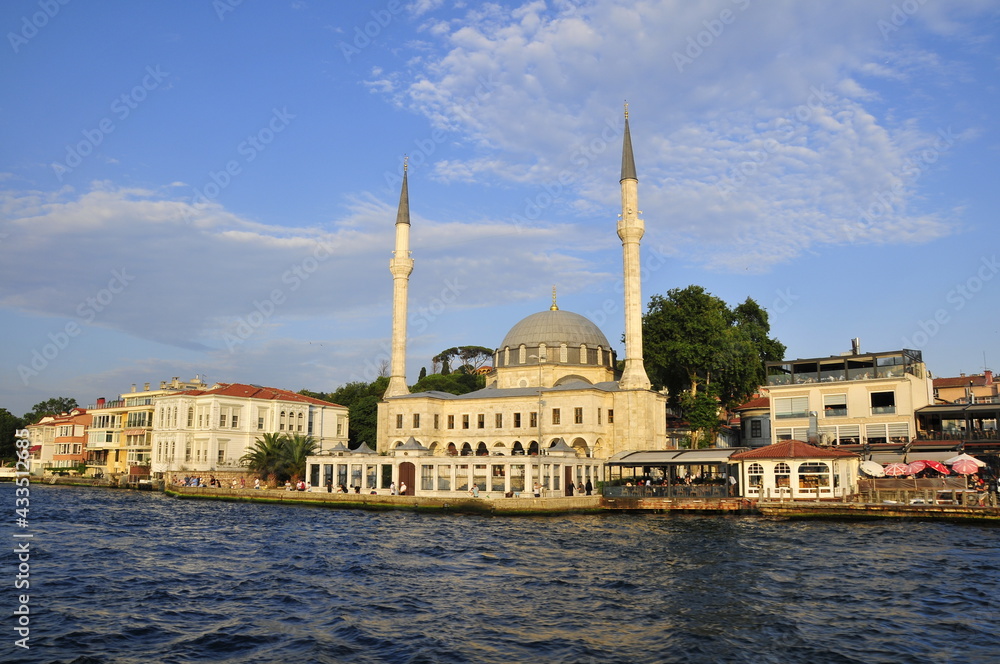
406, 157
554, 307
626, 109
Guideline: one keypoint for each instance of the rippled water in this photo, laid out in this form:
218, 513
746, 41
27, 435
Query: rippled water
122, 576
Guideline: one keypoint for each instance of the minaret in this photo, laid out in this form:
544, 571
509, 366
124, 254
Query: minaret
630, 230
400, 266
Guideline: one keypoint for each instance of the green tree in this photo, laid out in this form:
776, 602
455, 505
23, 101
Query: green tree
9, 424
423, 373
265, 457
53, 406
695, 345
296, 448
453, 383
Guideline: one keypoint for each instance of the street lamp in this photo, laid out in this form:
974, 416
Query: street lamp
541, 403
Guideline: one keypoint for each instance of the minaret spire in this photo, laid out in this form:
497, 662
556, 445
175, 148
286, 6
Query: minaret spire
401, 265
631, 229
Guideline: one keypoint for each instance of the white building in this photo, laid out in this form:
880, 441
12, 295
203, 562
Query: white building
553, 410
211, 429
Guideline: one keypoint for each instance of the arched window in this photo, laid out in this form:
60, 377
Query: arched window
281, 422
782, 475
452, 450
300, 422
466, 449
563, 353
583, 353
518, 449
755, 476
533, 448
481, 450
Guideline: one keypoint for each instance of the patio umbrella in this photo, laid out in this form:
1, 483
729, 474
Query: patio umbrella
935, 465
897, 469
965, 466
872, 468
965, 457
915, 467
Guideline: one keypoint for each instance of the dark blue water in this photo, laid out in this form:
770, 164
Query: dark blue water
139, 577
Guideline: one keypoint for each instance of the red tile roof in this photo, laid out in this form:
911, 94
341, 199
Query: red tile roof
257, 392
753, 404
963, 381
793, 449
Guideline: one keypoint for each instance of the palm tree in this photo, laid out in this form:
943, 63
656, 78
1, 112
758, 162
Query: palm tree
297, 448
266, 457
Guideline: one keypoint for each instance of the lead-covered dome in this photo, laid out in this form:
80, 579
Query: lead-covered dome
554, 328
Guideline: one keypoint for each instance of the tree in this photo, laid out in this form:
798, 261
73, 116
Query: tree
53, 406
265, 457
9, 425
296, 448
455, 383
694, 344
422, 374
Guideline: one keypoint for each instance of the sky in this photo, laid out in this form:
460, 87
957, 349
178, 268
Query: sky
210, 187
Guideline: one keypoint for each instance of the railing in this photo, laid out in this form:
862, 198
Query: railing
673, 491
975, 434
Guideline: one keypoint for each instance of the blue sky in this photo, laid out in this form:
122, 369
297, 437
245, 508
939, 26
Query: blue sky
210, 187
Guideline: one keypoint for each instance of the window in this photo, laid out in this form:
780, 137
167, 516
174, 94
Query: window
399, 420
498, 420
236, 421
222, 419
437, 421
834, 405
190, 417
416, 420
260, 423
578, 415
755, 431
755, 475
782, 475
883, 403
451, 421
426, 477
611, 416
555, 416
222, 454
791, 407
480, 421
598, 416
281, 424
300, 421
533, 420
814, 475
517, 420
465, 421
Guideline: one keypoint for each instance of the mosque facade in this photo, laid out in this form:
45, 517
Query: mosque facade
553, 411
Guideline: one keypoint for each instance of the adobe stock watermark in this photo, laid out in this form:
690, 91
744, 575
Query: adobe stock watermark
653, 261
898, 17
958, 297
248, 149
425, 147
582, 157
30, 25
223, 7
704, 39
22, 538
87, 311
913, 168
263, 310
739, 175
121, 107
365, 35
417, 323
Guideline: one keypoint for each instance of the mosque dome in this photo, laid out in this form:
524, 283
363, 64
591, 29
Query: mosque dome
554, 328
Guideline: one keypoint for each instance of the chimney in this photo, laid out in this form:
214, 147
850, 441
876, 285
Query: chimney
145, 387
988, 375
100, 401
133, 387
856, 346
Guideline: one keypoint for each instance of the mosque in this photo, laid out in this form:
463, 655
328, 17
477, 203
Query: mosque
553, 412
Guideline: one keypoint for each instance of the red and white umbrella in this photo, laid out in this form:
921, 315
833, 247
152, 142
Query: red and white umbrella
897, 469
915, 467
935, 465
965, 466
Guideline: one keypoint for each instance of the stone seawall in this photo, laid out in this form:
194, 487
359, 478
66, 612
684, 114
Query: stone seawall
830, 510
461, 504
650, 504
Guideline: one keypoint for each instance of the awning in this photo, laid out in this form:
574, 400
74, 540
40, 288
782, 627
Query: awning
676, 457
914, 455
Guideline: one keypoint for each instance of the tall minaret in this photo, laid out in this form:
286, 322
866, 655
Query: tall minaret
630, 230
400, 266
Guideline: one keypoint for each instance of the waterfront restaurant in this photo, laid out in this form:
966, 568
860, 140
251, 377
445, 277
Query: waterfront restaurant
414, 465
796, 470
704, 473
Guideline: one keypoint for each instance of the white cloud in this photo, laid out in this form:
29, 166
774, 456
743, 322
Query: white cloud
793, 133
